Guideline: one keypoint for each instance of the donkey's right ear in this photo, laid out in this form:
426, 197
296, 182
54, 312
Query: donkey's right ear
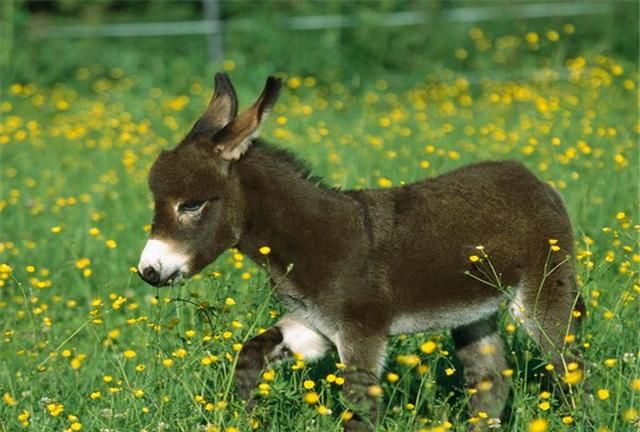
222, 108
236, 137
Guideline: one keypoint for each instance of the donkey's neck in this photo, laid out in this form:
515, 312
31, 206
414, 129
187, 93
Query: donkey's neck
303, 223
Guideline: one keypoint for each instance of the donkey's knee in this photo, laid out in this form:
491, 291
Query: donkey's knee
479, 348
549, 312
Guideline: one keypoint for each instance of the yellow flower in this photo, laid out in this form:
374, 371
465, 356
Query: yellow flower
82, 263
573, 377
269, 375
23, 418
117, 304
111, 244
331, 378
428, 347
346, 416
308, 384
180, 353
375, 390
129, 354
544, 406
539, 425
323, 410
532, 37
294, 82
55, 409
603, 394
567, 420
76, 362
206, 361
474, 258
392, 377
631, 415
8, 399
311, 398
384, 182
265, 250
635, 385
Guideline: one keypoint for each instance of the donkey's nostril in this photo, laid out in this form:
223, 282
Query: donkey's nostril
150, 275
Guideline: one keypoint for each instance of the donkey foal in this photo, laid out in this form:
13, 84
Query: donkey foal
354, 267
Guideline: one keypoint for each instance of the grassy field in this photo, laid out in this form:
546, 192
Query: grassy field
88, 346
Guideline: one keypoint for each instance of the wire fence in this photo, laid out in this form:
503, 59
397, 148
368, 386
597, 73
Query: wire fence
213, 26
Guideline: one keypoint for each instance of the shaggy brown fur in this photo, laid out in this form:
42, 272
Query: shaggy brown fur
356, 266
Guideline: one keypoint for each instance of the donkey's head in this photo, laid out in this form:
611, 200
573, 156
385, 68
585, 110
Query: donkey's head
197, 196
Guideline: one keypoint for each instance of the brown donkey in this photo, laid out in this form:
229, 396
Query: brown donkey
354, 267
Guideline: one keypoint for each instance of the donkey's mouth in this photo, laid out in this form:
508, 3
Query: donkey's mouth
174, 277
153, 278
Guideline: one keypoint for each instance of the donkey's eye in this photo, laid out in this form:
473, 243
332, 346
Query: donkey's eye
191, 206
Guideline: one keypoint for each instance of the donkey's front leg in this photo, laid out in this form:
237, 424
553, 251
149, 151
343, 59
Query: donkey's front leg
290, 335
363, 355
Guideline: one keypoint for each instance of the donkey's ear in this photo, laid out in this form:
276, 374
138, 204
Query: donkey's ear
222, 108
234, 139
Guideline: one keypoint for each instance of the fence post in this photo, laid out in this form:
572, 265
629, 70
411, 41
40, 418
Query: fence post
212, 14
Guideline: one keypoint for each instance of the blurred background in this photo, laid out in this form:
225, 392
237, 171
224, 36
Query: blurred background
165, 43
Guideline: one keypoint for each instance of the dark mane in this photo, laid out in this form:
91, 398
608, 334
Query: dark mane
298, 166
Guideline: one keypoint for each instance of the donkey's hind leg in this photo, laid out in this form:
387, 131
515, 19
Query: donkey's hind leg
479, 348
544, 306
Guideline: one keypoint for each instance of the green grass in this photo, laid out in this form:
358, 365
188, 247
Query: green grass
74, 207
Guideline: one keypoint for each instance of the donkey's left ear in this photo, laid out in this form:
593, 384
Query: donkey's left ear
234, 139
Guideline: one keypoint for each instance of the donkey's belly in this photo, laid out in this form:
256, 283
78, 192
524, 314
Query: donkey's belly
443, 317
